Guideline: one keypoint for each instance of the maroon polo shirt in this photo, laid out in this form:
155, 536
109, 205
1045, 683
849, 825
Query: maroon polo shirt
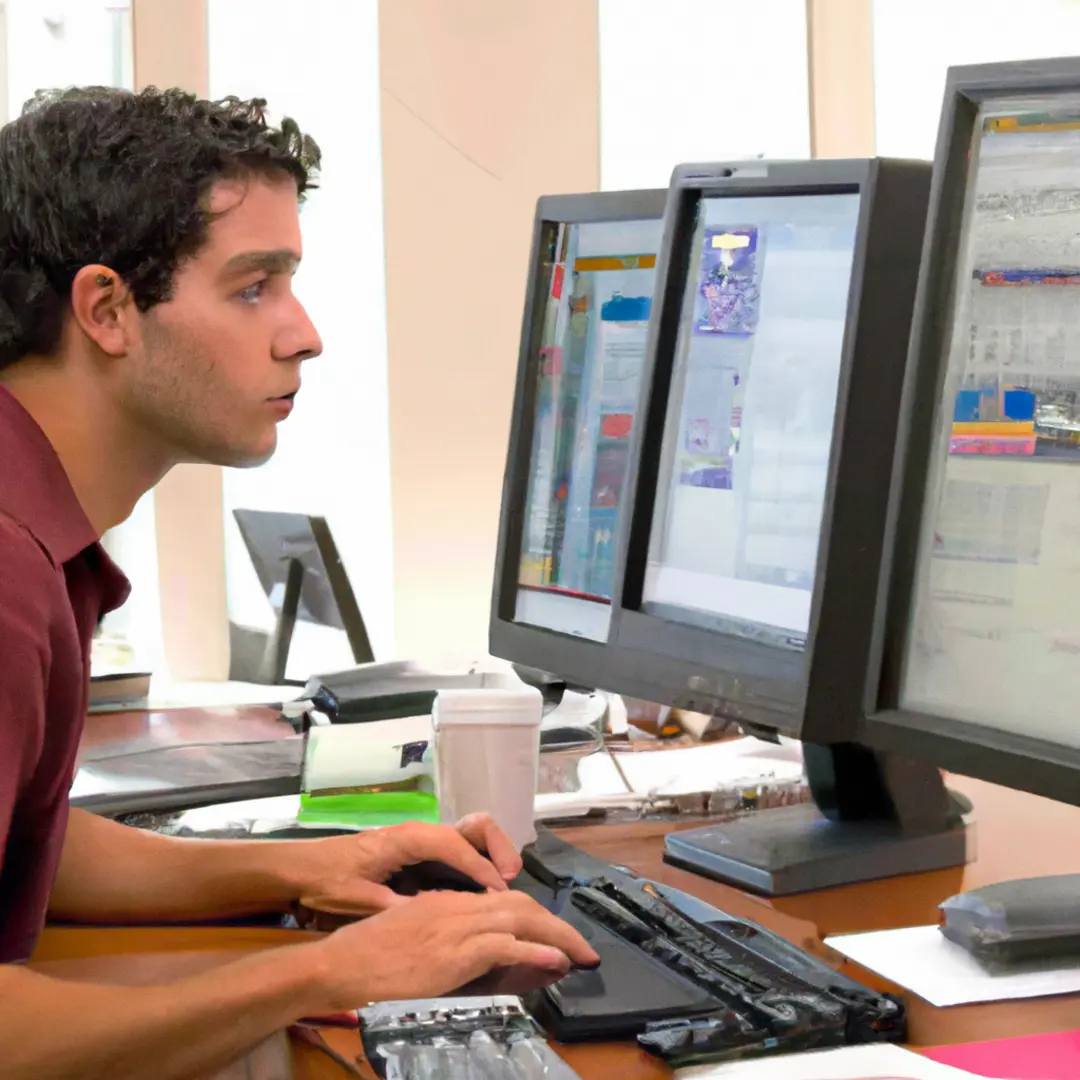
55, 584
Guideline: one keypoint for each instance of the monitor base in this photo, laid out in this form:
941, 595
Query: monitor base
874, 815
795, 849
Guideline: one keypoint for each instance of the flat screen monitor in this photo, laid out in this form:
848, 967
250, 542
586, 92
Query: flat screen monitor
979, 628
775, 366
588, 300
755, 518
301, 572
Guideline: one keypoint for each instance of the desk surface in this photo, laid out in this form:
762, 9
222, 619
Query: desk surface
1016, 835
139, 731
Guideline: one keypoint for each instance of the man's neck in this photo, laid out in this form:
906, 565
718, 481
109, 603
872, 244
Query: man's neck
110, 466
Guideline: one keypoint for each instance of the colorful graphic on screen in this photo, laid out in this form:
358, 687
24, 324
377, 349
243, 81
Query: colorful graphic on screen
729, 288
600, 279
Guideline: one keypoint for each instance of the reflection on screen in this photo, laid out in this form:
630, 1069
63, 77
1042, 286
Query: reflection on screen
750, 421
596, 290
995, 633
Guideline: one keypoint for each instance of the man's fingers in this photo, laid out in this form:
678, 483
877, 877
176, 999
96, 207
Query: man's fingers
519, 916
420, 842
485, 835
503, 951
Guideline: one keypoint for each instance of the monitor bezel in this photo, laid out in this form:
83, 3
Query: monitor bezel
1018, 761
816, 693
583, 661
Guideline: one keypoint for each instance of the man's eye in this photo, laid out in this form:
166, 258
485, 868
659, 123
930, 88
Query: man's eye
252, 293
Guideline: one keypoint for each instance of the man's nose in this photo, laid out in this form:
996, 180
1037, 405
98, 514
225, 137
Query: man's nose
302, 341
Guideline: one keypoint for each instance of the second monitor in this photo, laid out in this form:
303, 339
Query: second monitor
755, 514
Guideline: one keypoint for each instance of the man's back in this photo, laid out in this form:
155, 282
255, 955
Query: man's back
55, 583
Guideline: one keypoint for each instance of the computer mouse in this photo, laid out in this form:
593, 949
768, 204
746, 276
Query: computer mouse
430, 875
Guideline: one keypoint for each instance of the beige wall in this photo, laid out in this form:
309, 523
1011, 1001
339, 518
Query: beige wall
486, 105
170, 44
840, 39
477, 122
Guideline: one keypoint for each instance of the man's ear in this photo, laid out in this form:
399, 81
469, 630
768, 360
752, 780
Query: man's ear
102, 307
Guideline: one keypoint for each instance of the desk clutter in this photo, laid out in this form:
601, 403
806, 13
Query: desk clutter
691, 984
486, 1038
306, 773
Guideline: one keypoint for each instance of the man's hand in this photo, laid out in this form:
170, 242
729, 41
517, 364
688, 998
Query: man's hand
195, 1026
112, 873
440, 941
345, 874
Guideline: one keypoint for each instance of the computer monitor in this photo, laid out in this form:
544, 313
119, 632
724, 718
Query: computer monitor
755, 515
301, 572
978, 637
588, 298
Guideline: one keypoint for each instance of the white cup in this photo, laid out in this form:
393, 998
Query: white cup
487, 756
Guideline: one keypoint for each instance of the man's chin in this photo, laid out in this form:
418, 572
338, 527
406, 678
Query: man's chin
243, 457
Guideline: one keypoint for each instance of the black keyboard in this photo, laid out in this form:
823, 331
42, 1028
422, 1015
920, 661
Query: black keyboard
689, 982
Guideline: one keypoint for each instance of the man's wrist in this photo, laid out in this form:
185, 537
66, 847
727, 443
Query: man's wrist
275, 873
314, 970
286, 868
308, 974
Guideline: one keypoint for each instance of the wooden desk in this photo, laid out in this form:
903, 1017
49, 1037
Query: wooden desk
1017, 835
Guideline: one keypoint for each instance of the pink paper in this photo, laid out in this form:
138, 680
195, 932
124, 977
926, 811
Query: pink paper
1035, 1057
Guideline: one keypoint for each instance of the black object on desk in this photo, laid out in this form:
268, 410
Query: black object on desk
431, 875
399, 688
690, 982
1017, 923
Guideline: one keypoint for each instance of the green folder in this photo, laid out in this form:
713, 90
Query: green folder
368, 810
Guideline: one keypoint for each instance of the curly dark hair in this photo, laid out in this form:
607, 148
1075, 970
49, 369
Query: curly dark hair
98, 175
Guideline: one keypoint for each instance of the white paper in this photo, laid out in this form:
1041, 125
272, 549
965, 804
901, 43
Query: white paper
879, 1062
922, 960
358, 755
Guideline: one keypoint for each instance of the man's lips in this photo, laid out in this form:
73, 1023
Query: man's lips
284, 403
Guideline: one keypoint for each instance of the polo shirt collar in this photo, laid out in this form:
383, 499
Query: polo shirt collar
34, 488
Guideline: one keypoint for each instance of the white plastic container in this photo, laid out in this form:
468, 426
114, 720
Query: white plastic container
487, 756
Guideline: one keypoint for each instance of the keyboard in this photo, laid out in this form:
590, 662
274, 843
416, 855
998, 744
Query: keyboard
691, 983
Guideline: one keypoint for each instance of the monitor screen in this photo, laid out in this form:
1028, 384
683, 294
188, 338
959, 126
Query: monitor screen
994, 636
595, 292
747, 440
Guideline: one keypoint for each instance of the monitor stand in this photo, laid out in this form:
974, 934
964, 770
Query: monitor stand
259, 657
874, 815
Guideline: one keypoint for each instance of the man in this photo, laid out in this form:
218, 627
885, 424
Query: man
147, 246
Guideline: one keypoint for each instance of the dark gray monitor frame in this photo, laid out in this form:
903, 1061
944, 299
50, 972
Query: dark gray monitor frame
264, 657
578, 660
815, 694
1017, 761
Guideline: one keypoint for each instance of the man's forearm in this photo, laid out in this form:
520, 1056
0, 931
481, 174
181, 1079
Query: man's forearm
188, 1028
112, 873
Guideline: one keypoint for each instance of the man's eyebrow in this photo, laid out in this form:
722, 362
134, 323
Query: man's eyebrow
281, 261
